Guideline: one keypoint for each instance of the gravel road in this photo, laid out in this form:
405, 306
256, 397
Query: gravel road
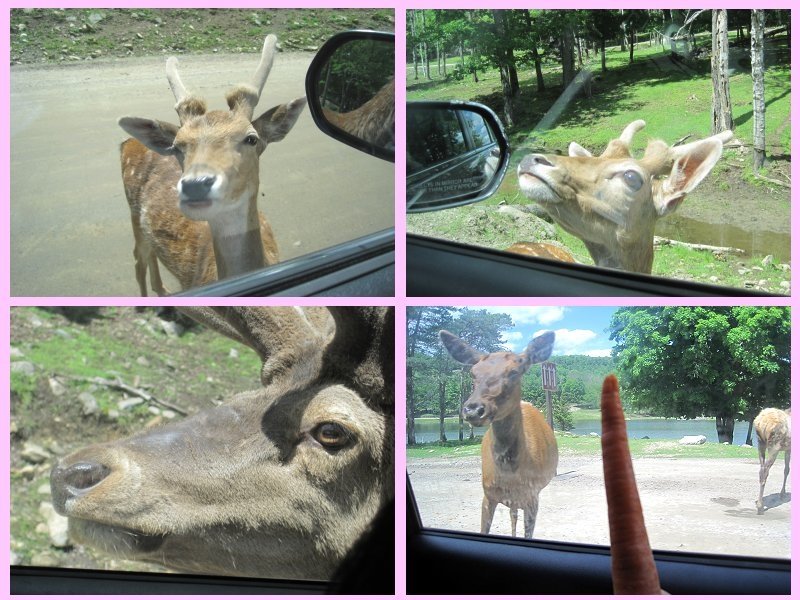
703, 505
70, 223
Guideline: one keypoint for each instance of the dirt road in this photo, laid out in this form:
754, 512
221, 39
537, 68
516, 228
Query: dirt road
702, 505
70, 223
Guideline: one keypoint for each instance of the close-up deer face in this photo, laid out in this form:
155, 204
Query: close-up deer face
495, 376
612, 201
279, 482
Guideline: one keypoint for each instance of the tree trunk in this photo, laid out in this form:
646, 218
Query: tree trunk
725, 425
537, 60
603, 54
631, 43
721, 111
567, 57
505, 63
749, 440
411, 436
442, 396
757, 65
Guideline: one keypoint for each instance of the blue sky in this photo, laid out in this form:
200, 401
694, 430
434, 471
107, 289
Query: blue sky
579, 329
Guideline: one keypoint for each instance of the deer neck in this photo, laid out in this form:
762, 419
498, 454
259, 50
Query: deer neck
627, 253
236, 236
508, 435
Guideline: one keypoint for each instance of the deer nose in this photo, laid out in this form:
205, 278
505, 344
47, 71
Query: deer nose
73, 480
197, 188
474, 411
531, 160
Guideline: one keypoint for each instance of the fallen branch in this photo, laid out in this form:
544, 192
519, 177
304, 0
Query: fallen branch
140, 393
661, 241
773, 181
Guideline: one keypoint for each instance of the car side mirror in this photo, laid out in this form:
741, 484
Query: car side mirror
456, 153
350, 90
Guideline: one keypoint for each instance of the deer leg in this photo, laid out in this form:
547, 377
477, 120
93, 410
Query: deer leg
513, 522
487, 514
530, 517
155, 276
786, 456
762, 477
139, 255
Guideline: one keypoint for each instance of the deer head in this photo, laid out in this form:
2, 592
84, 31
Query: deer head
218, 150
612, 201
276, 482
496, 376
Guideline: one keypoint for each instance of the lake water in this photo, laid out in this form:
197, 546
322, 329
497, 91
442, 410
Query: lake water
427, 430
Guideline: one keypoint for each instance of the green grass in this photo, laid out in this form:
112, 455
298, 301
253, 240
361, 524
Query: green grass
573, 445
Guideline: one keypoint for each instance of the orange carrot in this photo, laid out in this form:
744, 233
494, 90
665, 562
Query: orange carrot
633, 569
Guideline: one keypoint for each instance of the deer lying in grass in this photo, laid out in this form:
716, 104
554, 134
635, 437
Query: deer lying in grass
612, 201
277, 482
774, 430
193, 189
519, 455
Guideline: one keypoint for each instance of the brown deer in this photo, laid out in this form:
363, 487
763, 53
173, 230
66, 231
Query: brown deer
277, 482
519, 455
373, 121
612, 201
193, 189
774, 430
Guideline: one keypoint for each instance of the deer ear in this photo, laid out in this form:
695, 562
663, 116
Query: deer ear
575, 149
274, 124
156, 135
540, 347
459, 349
691, 163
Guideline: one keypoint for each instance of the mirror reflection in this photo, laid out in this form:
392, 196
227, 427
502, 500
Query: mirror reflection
450, 152
356, 91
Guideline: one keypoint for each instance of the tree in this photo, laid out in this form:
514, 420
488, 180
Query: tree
688, 362
604, 25
757, 70
721, 110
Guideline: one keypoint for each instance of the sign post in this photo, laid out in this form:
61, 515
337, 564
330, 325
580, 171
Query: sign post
549, 385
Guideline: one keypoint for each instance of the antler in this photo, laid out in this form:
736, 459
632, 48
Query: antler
620, 147
186, 105
245, 97
289, 341
633, 569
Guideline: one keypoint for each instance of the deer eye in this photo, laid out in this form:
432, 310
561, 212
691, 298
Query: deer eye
251, 140
331, 435
633, 179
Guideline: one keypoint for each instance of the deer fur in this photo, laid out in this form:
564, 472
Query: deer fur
612, 201
276, 482
193, 189
519, 455
373, 121
774, 430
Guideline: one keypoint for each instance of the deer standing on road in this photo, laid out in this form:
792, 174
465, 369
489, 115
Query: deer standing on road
193, 189
519, 455
277, 482
774, 430
612, 201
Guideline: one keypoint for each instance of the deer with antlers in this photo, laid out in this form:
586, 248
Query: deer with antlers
192, 189
774, 430
519, 455
277, 482
612, 201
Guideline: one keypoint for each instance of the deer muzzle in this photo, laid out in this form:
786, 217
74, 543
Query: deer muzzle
72, 481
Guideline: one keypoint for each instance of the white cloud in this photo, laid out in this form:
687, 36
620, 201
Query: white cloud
513, 340
572, 341
599, 352
531, 315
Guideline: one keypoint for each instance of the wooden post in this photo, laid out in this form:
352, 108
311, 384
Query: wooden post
549, 385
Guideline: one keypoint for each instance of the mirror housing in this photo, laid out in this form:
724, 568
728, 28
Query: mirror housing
350, 91
456, 153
